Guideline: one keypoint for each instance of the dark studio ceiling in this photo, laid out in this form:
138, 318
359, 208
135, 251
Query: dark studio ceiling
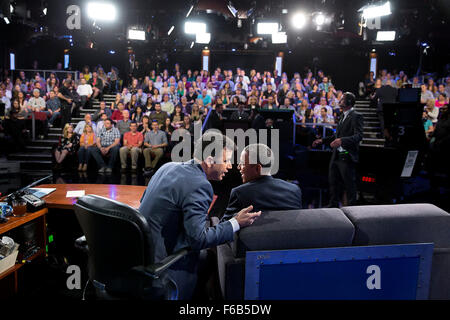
232, 24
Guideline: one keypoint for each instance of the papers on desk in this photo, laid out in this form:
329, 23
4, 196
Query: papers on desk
75, 194
41, 192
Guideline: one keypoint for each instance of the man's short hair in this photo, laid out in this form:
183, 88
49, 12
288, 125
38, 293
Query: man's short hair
36, 90
261, 154
212, 143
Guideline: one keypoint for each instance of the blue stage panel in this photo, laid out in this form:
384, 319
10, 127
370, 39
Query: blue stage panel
400, 272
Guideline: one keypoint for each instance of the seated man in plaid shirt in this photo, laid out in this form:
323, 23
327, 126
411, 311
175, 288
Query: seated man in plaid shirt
108, 144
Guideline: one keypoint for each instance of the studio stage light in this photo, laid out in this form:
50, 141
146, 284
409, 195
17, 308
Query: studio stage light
267, 27
319, 19
136, 34
376, 11
279, 37
101, 11
385, 35
299, 20
204, 38
194, 27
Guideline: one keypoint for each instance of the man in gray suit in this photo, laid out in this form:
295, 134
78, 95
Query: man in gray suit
176, 204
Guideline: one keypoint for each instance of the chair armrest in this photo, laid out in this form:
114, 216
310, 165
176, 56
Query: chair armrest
156, 269
214, 221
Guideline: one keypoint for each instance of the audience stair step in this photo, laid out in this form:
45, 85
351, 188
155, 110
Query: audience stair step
371, 129
36, 165
371, 123
54, 135
373, 141
43, 143
30, 156
38, 149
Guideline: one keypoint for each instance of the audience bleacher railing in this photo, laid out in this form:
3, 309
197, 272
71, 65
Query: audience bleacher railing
60, 74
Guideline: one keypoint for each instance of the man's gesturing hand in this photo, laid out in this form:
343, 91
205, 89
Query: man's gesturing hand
245, 217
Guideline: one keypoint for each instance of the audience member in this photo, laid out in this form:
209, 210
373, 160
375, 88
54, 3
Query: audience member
154, 142
87, 143
68, 144
107, 144
132, 143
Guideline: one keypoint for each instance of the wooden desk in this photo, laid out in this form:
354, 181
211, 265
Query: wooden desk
15, 222
130, 195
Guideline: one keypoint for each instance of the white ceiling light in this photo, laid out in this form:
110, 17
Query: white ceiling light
194, 27
267, 27
377, 11
385, 35
170, 30
299, 20
203, 38
279, 37
189, 12
136, 34
319, 19
103, 11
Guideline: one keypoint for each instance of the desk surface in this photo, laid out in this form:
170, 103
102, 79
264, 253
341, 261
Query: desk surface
130, 195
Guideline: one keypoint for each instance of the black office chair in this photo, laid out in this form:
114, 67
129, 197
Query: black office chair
121, 252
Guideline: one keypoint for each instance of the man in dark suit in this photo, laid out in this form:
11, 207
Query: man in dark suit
345, 144
260, 189
176, 204
385, 94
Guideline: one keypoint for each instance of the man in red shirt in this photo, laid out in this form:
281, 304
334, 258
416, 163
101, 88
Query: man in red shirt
117, 114
132, 142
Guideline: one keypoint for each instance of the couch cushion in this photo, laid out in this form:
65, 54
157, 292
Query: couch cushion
402, 223
295, 229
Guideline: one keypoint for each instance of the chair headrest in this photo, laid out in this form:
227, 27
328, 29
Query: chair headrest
113, 208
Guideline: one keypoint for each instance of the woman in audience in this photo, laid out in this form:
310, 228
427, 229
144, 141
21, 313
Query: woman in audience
172, 82
181, 90
224, 97
149, 88
228, 89
441, 100
137, 115
134, 87
87, 140
144, 126
158, 83
196, 115
52, 82
176, 117
68, 144
304, 105
102, 75
196, 88
131, 106
116, 101
432, 111
152, 76
165, 88
190, 77
22, 101
165, 75
85, 73
156, 96
235, 102
168, 128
